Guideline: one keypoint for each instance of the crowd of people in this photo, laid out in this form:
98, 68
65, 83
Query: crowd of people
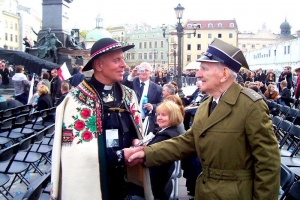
101, 124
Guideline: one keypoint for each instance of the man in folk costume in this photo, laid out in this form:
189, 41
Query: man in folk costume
95, 121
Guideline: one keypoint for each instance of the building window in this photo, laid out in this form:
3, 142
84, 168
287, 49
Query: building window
230, 35
11, 37
155, 44
145, 56
6, 36
253, 45
140, 45
128, 56
150, 44
231, 25
243, 45
150, 56
198, 46
188, 58
198, 35
11, 25
188, 47
132, 56
219, 35
219, 25
210, 25
209, 35
16, 26
140, 56
6, 24
264, 46
269, 52
284, 49
288, 49
16, 38
198, 56
188, 35
274, 52
145, 45
161, 44
162, 55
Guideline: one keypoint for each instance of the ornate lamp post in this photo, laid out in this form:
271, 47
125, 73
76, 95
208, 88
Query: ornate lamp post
174, 54
179, 12
154, 57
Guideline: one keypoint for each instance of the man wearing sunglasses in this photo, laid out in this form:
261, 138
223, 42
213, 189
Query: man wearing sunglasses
231, 134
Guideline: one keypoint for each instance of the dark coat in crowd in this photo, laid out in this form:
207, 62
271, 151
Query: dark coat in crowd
55, 87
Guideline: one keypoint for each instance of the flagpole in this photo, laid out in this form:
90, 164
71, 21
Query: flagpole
31, 89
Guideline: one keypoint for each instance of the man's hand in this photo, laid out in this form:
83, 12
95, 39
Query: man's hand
134, 72
148, 106
134, 156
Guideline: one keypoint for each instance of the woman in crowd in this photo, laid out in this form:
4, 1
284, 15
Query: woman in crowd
4, 72
160, 79
270, 78
250, 76
45, 100
45, 79
175, 85
21, 84
176, 99
168, 118
271, 93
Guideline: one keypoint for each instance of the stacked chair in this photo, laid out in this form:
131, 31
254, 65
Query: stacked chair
286, 126
25, 151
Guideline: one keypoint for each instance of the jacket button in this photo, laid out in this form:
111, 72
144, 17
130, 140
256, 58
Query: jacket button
203, 135
203, 181
203, 160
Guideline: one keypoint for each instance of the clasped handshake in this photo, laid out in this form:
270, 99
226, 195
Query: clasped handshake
135, 154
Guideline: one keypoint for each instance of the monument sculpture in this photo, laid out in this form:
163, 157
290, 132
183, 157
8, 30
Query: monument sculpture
72, 43
47, 46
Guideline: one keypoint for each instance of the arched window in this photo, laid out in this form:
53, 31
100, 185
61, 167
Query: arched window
210, 25
231, 25
219, 25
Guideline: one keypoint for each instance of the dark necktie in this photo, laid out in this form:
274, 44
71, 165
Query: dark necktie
213, 106
142, 88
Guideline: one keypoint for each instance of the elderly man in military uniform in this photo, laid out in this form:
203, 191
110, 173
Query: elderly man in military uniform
231, 134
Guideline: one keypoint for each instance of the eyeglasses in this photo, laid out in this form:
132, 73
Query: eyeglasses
212, 57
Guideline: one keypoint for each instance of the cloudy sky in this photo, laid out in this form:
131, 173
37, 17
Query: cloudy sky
250, 15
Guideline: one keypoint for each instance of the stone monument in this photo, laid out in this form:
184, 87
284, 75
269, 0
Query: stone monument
56, 17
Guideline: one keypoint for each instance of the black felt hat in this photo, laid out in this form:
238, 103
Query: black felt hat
220, 51
101, 47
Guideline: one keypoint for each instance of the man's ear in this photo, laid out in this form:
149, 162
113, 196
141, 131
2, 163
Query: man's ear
225, 74
97, 65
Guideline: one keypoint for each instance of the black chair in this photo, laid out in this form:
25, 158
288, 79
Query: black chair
51, 117
292, 140
11, 167
49, 137
24, 154
6, 155
283, 111
276, 120
297, 118
16, 111
39, 147
287, 178
294, 192
282, 130
19, 125
7, 113
275, 111
33, 122
291, 114
6, 130
25, 109
35, 189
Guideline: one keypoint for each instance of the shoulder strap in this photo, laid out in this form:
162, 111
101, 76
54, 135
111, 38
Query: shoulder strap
251, 94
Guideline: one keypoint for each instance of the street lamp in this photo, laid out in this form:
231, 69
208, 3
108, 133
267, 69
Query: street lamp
174, 54
154, 57
179, 28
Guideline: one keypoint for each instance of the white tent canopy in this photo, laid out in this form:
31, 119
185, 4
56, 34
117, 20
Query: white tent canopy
193, 65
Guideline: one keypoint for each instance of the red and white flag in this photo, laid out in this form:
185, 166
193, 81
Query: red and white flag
63, 72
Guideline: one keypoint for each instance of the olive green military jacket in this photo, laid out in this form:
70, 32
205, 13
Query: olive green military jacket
235, 145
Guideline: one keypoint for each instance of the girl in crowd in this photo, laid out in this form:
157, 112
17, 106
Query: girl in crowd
270, 78
160, 79
271, 93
